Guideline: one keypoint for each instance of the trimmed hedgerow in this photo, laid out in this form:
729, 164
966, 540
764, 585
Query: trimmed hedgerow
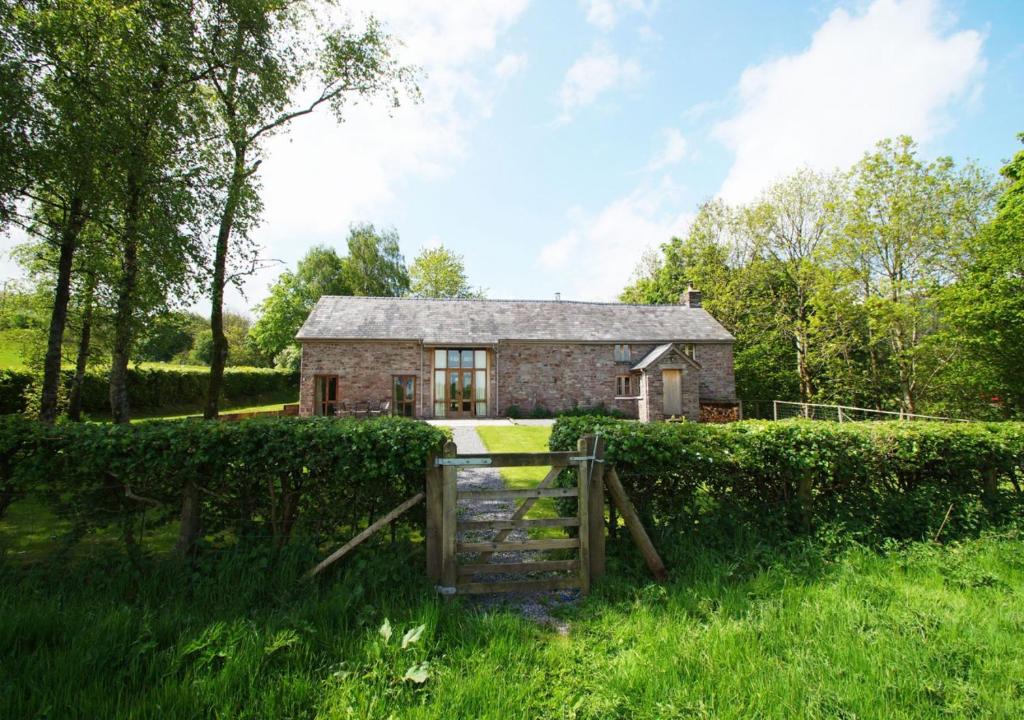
264, 477
874, 479
153, 388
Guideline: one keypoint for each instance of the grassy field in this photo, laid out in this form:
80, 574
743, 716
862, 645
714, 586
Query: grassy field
743, 629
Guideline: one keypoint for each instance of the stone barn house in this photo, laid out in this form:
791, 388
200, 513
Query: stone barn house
428, 358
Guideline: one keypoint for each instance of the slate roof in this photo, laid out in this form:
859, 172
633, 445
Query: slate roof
479, 322
657, 353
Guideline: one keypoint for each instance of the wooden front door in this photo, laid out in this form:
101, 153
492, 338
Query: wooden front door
673, 381
459, 393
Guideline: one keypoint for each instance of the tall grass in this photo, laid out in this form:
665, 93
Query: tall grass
747, 631
816, 628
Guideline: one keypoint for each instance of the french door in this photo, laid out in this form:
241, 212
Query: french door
460, 383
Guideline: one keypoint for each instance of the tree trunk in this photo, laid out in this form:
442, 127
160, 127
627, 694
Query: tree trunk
75, 399
59, 316
124, 311
220, 341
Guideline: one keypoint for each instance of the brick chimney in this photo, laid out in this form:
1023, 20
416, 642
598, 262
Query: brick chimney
690, 298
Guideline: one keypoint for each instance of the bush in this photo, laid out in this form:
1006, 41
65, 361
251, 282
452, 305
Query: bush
875, 480
599, 410
149, 389
263, 477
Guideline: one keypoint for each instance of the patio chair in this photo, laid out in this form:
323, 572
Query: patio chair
344, 409
361, 410
381, 407
374, 407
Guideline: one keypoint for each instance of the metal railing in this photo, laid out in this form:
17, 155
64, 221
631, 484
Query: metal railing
783, 409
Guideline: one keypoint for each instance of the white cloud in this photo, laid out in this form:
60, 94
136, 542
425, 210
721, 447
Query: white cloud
673, 150
603, 249
322, 176
604, 14
601, 14
891, 70
597, 72
510, 65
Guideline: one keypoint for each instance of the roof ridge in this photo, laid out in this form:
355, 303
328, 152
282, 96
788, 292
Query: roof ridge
507, 300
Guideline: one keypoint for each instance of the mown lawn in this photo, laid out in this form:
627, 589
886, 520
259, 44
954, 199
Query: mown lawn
918, 632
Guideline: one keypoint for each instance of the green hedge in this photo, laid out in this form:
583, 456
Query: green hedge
263, 477
876, 480
149, 389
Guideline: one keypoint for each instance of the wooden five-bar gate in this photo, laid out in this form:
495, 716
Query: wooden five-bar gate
445, 532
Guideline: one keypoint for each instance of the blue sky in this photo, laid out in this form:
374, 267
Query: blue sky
558, 139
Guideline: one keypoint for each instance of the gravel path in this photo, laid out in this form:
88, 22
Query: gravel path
536, 605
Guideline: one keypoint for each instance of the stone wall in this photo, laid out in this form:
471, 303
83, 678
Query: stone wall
560, 376
717, 379
364, 368
557, 376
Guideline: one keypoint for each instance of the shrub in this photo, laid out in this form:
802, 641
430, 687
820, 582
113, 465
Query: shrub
874, 479
153, 388
600, 410
513, 411
266, 477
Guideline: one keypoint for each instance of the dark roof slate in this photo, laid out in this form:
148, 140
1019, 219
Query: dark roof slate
478, 322
661, 351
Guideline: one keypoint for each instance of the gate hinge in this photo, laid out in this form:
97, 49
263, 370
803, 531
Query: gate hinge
462, 461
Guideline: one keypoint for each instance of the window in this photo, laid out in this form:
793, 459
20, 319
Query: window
625, 386
690, 350
403, 395
622, 353
325, 395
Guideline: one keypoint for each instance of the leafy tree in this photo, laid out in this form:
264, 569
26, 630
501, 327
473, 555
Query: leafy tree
75, 51
440, 273
158, 181
789, 229
169, 335
320, 272
987, 305
374, 265
262, 52
908, 226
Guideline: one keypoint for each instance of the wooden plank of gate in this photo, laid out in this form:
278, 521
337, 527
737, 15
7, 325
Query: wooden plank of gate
544, 544
562, 583
520, 513
513, 524
583, 511
559, 459
636, 528
449, 496
344, 549
518, 494
519, 567
596, 507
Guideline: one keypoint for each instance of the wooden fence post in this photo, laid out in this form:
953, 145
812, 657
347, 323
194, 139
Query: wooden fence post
595, 469
449, 476
635, 527
583, 510
435, 509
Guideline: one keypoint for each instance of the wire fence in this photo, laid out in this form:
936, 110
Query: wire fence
783, 410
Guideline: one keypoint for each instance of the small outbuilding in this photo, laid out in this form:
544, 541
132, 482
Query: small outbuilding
429, 358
